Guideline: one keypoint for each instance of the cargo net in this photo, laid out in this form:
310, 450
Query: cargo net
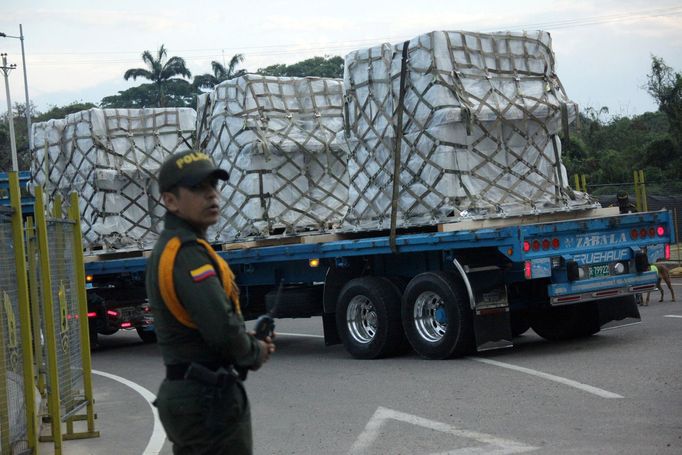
480, 118
277, 139
13, 428
65, 317
111, 157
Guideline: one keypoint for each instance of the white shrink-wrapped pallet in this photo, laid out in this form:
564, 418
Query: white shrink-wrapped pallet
480, 119
111, 157
277, 137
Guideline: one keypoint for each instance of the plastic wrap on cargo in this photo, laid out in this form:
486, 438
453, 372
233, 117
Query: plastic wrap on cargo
111, 157
277, 137
480, 118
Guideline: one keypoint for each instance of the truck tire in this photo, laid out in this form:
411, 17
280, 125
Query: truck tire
368, 318
566, 322
147, 336
436, 316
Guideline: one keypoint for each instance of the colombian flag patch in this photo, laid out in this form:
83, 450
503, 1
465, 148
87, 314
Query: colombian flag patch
203, 272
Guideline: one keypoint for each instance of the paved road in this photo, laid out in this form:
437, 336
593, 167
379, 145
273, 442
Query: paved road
619, 392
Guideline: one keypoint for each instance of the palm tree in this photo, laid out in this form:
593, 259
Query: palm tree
159, 72
220, 73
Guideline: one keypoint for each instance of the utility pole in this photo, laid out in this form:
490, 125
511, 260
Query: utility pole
28, 103
5, 70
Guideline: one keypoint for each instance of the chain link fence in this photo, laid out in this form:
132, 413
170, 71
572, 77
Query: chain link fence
13, 419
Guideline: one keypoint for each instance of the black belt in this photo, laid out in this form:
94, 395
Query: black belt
177, 371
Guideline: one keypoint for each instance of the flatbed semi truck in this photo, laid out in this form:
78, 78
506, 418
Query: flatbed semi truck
444, 291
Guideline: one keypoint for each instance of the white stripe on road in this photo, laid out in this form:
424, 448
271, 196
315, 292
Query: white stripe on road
569, 382
493, 445
673, 316
158, 434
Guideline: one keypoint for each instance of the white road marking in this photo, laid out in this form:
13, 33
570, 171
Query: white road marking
569, 382
158, 437
673, 316
492, 444
304, 335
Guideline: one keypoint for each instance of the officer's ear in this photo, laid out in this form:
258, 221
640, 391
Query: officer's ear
170, 200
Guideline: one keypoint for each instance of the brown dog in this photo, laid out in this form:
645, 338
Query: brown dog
663, 274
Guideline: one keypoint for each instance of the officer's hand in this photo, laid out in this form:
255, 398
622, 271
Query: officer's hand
267, 347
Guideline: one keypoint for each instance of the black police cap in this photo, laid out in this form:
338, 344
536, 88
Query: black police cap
188, 169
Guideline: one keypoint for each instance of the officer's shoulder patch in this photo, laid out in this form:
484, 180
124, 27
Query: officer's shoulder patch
201, 273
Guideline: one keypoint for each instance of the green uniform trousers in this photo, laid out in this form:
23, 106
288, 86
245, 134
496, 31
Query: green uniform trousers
197, 423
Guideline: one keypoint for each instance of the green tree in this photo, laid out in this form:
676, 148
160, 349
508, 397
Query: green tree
57, 112
160, 71
177, 93
316, 66
220, 73
665, 86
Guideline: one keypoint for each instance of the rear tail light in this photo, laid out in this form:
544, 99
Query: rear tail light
536, 245
526, 246
92, 314
660, 231
642, 233
112, 313
634, 234
555, 243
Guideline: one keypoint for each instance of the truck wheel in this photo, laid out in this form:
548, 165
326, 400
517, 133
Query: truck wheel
436, 316
147, 336
368, 318
566, 322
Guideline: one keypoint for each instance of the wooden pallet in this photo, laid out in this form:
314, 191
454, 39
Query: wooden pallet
111, 255
468, 225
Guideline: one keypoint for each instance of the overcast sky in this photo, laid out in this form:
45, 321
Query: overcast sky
78, 50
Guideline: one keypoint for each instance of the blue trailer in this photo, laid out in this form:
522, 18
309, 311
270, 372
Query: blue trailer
446, 290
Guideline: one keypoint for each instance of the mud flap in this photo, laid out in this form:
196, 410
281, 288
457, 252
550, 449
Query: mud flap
493, 329
492, 323
618, 312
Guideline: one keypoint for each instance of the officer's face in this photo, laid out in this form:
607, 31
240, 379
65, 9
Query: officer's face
198, 205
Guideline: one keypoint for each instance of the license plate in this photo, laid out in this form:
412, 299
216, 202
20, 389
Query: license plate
599, 271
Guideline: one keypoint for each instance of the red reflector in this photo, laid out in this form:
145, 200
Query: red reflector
604, 293
92, 314
545, 244
644, 287
634, 234
536, 245
642, 233
667, 251
568, 298
112, 313
660, 231
528, 270
555, 243
526, 246
125, 325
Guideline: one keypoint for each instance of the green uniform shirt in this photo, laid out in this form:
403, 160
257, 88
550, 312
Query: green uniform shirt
220, 335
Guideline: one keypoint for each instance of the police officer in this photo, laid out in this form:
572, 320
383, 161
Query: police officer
197, 317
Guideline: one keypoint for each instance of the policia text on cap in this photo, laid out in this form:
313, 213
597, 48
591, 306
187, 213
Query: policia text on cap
199, 326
